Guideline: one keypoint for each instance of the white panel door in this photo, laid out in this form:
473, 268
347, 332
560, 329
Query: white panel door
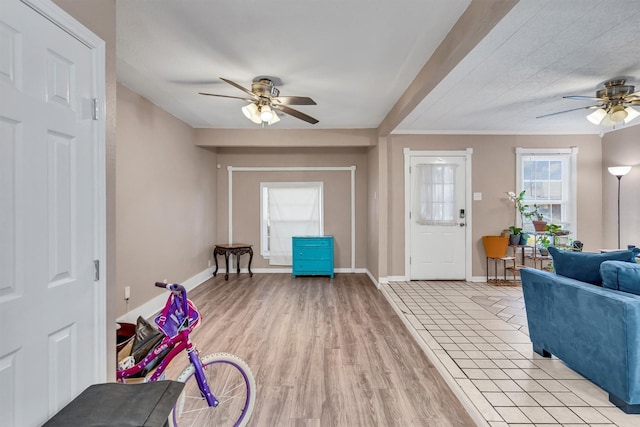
437, 223
48, 226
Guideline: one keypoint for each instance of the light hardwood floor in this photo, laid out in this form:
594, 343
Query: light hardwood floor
324, 352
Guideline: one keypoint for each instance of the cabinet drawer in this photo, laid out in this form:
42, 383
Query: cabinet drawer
311, 252
314, 266
312, 241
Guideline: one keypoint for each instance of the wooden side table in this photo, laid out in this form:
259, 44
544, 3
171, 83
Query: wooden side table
236, 249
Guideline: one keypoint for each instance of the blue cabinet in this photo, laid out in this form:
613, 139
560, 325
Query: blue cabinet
312, 256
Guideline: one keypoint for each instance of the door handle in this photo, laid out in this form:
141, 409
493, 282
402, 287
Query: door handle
462, 224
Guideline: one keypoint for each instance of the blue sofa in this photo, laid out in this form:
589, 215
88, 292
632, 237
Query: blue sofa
594, 329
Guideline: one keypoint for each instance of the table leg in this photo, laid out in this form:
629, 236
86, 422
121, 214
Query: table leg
226, 265
215, 257
250, 258
238, 263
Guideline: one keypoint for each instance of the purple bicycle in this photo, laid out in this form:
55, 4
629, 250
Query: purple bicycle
219, 388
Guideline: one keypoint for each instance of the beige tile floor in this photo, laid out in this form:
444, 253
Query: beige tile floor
476, 334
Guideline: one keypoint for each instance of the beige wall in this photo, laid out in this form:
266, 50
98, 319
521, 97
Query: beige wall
165, 206
621, 148
337, 194
493, 174
99, 16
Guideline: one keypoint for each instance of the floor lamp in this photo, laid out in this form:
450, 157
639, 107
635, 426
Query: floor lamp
619, 172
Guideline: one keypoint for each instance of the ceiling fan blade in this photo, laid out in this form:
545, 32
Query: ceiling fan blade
633, 96
295, 113
583, 98
294, 100
590, 107
234, 84
226, 96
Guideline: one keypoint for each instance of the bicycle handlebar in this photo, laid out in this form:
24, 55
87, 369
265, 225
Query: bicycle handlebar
175, 287
170, 286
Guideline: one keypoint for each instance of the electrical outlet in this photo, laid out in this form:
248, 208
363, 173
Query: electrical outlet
209, 263
127, 292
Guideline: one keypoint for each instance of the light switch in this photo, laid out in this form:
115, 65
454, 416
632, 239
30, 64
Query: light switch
477, 196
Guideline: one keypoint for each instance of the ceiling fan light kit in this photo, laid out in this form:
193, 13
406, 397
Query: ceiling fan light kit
265, 100
259, 114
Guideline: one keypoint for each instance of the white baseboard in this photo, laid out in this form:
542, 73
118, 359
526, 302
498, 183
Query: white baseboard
271, 270
373, 279
154, 305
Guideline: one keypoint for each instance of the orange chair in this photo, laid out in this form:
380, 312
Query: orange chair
495, 248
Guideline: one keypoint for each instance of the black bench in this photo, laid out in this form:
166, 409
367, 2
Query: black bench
115, 404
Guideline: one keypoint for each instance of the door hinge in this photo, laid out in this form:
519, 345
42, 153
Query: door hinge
96, 273
95, 109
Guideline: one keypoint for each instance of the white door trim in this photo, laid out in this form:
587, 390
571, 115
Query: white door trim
408, 153
67, 23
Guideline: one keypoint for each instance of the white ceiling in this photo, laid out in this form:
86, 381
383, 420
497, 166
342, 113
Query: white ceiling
356, 58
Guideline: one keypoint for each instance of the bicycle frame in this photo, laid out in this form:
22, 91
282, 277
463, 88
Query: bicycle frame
177, 343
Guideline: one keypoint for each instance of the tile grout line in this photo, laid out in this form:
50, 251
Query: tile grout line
534, 376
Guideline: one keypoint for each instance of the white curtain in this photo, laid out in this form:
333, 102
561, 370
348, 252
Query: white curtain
293, 211
436, 194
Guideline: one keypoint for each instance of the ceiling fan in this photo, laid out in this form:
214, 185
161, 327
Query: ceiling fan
264, 98
615, 100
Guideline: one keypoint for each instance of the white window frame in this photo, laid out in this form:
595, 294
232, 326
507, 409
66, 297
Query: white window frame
568, 155
264, 206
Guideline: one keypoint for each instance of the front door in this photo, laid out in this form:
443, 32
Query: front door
50, 304
437, 216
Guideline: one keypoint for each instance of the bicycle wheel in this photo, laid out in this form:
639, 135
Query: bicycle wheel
231, 382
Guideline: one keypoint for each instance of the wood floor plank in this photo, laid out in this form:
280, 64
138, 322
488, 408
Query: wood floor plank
324, 352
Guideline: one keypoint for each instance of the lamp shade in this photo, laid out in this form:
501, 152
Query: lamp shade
274, 118
619, 170
632, 113
597, 116
618, 113
251, 112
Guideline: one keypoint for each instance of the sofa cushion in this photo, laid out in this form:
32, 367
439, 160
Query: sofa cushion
620, 275
585, 266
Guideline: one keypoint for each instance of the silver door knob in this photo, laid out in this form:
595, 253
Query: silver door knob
462, 224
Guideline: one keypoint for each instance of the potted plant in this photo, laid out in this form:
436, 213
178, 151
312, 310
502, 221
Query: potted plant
553, 229
556, 230
537, 219
516, 236
543, 243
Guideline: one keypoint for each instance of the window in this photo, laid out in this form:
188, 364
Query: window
549, 178
436, 194
288, 209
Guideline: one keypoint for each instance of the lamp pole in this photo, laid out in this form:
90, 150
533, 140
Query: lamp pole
619, 172
619, 179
